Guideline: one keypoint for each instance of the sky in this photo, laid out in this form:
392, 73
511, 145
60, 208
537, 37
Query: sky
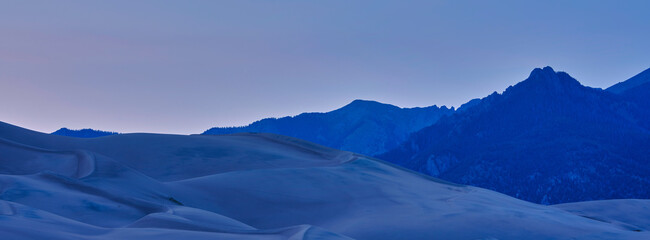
185, 66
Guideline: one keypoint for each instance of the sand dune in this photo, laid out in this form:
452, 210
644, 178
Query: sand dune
260, 186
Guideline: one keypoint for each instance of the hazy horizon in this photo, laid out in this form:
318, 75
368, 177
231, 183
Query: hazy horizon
183, 67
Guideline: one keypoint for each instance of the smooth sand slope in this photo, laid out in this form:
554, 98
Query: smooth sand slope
261, 186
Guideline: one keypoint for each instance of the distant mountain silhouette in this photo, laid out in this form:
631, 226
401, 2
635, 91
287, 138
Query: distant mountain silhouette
82, 133
636, 81
547, 139
366, 127
637, 91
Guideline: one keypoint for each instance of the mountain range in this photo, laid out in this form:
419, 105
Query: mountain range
547, 139
365, 127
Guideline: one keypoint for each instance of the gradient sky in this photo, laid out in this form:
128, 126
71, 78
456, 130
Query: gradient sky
185, 66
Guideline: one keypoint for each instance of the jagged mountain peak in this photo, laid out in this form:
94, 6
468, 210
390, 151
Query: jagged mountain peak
549, 77
545, 81
542, 85
546, 72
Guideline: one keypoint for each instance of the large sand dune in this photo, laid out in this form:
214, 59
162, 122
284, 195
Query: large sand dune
261, 186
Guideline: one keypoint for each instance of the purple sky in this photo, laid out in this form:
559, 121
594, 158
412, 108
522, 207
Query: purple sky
185, 66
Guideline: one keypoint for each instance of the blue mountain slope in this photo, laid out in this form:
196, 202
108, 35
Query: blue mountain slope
639, 94
547, 139
638, 80
366, 127
82, 133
